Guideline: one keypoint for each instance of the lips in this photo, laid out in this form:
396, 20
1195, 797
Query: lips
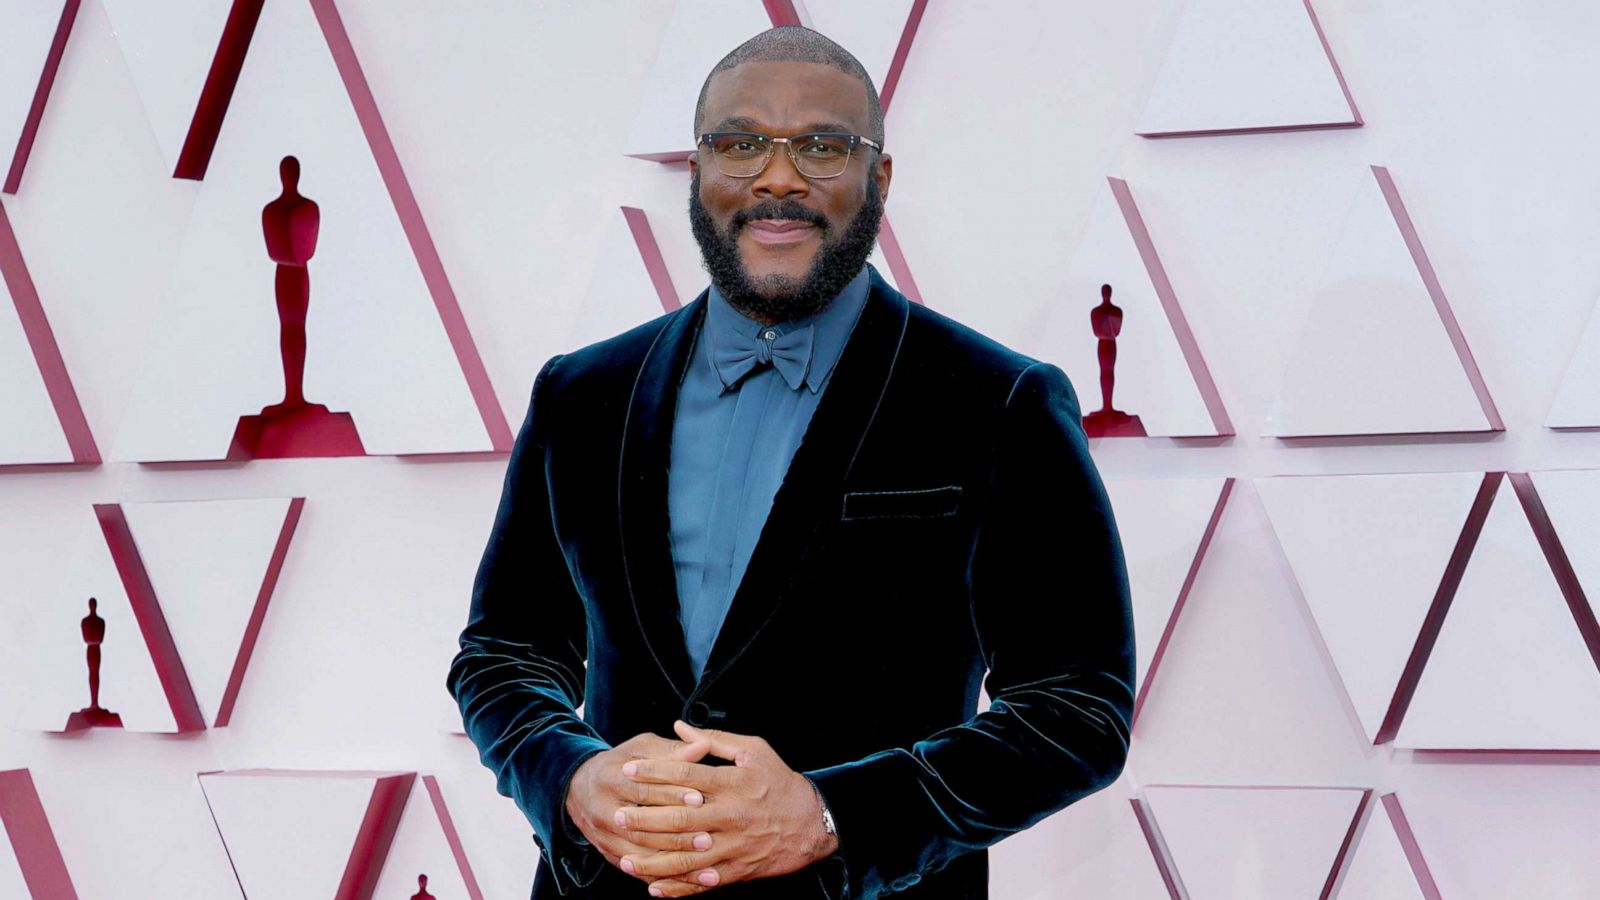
779, 231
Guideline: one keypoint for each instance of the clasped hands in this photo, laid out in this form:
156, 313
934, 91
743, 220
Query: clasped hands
654, 811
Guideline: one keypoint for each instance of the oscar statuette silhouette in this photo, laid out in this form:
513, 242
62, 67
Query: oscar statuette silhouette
293, 427
1106, 319
93, 715
422, 889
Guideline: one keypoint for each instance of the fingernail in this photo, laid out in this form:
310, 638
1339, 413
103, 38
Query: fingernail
656, 892
693, 798
627, 865
628, 768
708, 877
702, 842
620, 819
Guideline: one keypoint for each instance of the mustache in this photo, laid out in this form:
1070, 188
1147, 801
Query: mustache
776, 209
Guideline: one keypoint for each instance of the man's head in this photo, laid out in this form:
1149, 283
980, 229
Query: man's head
780, 245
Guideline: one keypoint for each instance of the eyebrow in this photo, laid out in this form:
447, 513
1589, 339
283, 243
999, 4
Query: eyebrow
745, 123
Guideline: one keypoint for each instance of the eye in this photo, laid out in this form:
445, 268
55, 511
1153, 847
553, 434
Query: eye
824, 146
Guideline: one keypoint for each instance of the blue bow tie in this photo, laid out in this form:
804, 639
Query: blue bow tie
737, 354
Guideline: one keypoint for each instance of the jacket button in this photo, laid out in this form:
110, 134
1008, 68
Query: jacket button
697, 713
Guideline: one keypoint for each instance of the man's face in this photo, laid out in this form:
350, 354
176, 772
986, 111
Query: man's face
777, 244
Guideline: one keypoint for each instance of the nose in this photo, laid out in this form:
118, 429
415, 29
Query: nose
780, 178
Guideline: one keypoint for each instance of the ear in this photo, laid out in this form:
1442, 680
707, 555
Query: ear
883, 172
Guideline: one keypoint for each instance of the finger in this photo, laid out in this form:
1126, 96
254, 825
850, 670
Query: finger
645, 793
667, 771
685, 885
662, 818
678, 864
740, 748
670, 887
658, 747
686, 841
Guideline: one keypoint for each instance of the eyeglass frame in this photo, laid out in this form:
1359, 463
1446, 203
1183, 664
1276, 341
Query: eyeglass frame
773, 142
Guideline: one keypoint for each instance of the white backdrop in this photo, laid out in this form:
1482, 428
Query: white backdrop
1006, 123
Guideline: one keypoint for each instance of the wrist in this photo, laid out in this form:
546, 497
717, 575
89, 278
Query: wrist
825, 840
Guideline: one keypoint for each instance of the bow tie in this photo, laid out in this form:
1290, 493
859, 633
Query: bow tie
738, 353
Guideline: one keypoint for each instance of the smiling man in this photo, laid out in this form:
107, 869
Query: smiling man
776, 540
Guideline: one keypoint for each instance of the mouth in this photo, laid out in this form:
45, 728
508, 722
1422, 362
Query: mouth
779, 231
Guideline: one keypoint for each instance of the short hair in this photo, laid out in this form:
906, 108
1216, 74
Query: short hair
797, 43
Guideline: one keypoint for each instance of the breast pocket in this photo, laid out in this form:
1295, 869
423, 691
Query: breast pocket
915, 503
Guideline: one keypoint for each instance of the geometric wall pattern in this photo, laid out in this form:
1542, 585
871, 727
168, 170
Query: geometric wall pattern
337, 827
1253, 841
35, 37
1166, 526
1457, 568
30, 861
1577, 403
40, 418
1243, 66
413, 385
180, 592
1381, 351
1439, 597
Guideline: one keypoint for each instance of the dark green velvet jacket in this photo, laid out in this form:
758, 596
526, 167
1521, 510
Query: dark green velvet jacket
940, 520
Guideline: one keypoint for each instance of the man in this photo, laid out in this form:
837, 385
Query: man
793, 524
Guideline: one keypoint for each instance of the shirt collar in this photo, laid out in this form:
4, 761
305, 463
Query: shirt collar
833, 323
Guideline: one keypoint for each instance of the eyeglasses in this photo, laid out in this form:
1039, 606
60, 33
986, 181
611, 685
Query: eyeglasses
744, 154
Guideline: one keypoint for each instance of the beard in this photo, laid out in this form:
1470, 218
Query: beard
778, 297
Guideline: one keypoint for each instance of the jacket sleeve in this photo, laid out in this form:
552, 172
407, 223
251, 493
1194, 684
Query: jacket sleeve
1049, 593
519, 676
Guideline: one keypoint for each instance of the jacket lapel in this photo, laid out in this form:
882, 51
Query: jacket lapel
642, 511
808, 498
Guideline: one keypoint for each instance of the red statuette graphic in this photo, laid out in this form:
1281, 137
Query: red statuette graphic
93, 715
293, 427
1106, 320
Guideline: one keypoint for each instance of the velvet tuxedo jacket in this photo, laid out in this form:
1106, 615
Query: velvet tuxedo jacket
941, 526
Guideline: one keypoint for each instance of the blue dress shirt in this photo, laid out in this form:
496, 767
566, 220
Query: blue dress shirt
731, 445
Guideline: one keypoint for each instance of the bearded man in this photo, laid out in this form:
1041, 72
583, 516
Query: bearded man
776, 540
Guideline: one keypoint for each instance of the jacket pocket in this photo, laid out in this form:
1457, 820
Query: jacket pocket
918, 503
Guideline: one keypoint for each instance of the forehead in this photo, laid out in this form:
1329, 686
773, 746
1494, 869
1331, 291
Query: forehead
786, 95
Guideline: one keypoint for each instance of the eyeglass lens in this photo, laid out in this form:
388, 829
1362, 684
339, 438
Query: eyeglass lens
815, 155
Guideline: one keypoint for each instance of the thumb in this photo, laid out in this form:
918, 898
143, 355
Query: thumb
723, 744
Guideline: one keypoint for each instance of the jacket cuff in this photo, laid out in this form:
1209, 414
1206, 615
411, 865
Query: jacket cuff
573, 860
876, 855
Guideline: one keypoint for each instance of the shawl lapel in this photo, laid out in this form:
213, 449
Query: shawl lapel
806, 500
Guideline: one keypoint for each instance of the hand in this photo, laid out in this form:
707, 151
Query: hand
764, 817
598, 789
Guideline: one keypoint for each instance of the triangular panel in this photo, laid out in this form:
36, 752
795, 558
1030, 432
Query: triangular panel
168, 47
1255, 843
1166, 526
31, 865
1542, 688
1387, 863
385, 345
1136, 333
33, 36
1381, 352
1369, 553
215, 563
296, 834
1578, 401
41, 420
427, 851
1239, 66
141, 679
